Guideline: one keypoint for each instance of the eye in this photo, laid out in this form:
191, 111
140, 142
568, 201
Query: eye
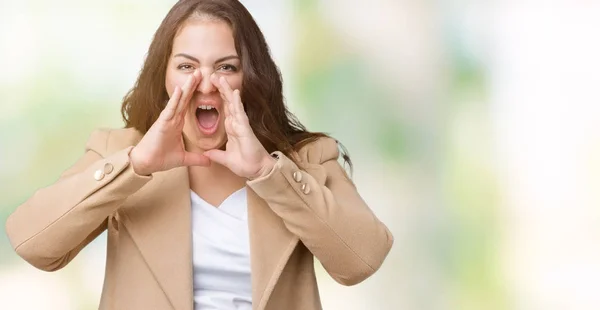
227, 68
185, 67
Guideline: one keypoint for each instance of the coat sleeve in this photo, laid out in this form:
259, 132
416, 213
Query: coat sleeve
51, 227
331, 219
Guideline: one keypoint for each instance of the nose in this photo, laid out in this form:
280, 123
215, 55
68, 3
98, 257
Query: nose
205, 86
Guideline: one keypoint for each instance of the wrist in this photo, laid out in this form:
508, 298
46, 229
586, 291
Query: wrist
137, 165
267, 164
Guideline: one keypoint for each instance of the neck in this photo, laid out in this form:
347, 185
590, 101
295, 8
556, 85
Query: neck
214, 177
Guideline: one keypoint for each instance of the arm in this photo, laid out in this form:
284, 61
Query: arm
332, 220
51, 227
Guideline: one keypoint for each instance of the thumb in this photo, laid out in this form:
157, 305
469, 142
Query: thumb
195, 159
217, 156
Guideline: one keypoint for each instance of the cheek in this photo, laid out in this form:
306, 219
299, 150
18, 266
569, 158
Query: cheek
174, 79
235, 81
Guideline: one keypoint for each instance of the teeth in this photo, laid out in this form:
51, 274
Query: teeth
206, 107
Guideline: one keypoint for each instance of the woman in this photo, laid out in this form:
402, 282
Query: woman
214, 196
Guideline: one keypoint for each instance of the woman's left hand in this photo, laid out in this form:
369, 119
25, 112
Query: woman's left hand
244, 155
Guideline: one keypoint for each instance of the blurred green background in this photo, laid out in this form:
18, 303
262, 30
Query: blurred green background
474, 127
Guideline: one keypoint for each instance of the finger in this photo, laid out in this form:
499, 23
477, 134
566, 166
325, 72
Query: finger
169, 110
224, 92
197, 80
230, 92
241, 118
217, 156
194, 159
240, 127
184, 91
214, 79
228, 125
227, 94
188, 90
225, 89
226, 109
188, 93
237, 101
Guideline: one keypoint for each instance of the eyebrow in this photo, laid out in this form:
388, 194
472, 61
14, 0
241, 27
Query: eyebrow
192, 58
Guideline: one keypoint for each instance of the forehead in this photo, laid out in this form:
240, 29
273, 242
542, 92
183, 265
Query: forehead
204, 38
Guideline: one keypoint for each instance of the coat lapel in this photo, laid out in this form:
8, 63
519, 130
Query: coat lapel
158, 217
271, 245
159, 221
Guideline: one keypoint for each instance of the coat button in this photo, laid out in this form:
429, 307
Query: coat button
99, 175
305, 189
108, 168
297, 176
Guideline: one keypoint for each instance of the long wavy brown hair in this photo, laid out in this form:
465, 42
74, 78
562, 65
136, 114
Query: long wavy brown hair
273, 124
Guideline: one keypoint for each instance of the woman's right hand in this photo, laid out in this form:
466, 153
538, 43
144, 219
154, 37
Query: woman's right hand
162, 147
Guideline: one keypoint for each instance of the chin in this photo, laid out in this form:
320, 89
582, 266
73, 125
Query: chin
197, 142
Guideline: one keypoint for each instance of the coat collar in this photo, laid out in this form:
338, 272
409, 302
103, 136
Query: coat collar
158, 218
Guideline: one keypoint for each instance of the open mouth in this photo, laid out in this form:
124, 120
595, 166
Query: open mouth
208, 119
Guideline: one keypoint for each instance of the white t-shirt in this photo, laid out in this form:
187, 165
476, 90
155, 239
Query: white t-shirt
221, 253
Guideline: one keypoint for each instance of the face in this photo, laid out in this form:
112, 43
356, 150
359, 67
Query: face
206, 45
